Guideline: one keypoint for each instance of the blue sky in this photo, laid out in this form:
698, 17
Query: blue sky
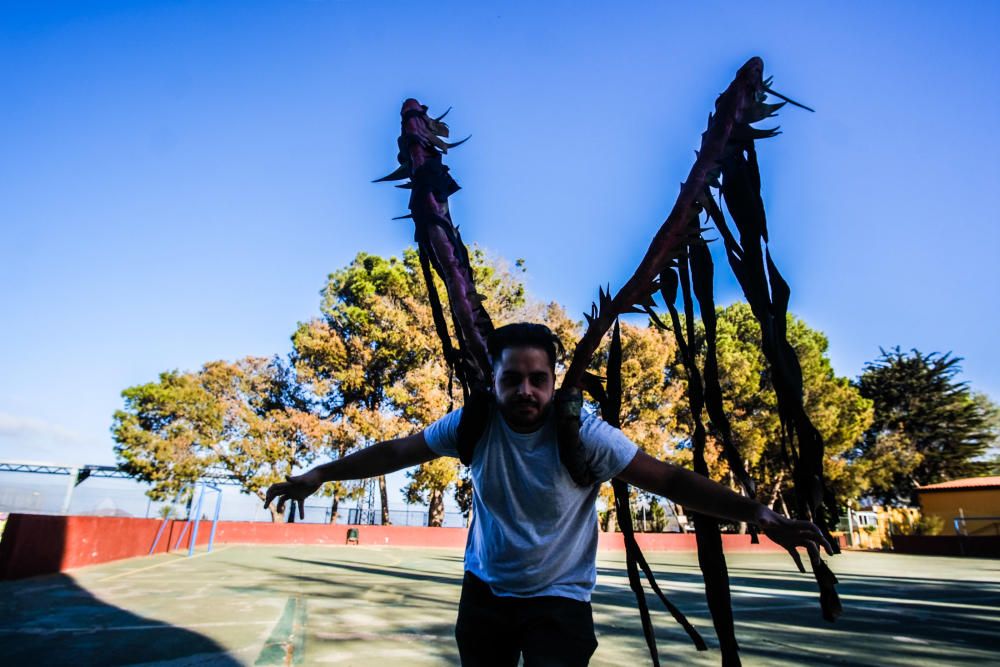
178, 178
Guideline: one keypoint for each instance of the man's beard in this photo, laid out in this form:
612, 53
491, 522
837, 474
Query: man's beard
517, 418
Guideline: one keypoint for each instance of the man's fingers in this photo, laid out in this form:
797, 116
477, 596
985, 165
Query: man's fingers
826, 544
813, 535
797, 558
285, 491
272, 492
818, 539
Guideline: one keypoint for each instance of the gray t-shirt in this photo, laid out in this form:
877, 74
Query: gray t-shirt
533, 530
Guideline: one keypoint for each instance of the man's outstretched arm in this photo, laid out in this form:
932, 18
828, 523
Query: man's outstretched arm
379, 459
701, 494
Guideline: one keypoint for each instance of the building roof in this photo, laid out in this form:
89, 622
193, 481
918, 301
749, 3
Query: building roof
967, 483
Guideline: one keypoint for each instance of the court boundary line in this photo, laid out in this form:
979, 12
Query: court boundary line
181, 559
126, 628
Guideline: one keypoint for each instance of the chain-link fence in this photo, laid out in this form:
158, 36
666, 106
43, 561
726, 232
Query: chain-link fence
407, 517
36, 493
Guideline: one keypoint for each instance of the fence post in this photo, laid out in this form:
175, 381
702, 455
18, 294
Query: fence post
68, 498
850, 528
215, 518
197, 519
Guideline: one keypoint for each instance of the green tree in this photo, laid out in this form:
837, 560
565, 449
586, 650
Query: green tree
372, 333
167, 432
649, 398
991, 412
425, 391
247, 418
836, 407
428, 483
374, 362
928, 427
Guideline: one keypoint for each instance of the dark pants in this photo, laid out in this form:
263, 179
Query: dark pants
548, 630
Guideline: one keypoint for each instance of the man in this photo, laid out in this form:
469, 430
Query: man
530, 560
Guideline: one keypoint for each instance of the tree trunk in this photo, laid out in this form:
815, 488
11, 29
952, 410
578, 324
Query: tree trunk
742, 526
679, 514
784, 507
435, 510
608, 522
333, 508
385, 500
776, 490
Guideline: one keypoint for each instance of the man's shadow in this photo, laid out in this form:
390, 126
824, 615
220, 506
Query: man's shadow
51, 620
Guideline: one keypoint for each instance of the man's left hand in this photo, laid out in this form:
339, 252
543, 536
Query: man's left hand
790, 533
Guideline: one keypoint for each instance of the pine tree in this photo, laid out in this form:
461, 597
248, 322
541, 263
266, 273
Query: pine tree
928, 426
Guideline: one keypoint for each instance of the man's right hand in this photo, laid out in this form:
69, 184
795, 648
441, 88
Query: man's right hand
379, 459
297, 488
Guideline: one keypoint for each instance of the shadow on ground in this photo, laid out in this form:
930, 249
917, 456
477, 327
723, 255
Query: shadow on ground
50, 620
373, 605
896, 612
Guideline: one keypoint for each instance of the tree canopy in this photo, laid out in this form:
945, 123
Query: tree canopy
656, 413
374, 362
928, 426
835, 407
369, 368
247, 418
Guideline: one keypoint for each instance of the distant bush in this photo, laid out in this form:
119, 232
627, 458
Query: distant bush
929, 525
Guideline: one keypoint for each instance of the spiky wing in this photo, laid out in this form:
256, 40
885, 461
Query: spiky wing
767, 293
610, 400
677, 230
421, 147
678, 258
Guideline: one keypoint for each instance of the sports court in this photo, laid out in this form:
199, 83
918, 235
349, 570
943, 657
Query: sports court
351, 605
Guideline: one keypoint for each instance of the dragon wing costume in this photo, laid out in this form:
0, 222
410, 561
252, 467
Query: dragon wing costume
725, 175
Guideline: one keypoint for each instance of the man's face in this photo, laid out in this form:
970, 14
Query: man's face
524, 386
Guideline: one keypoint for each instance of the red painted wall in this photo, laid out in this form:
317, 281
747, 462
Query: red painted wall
31, 544
246, 532
40, 544
35, 544
681, 542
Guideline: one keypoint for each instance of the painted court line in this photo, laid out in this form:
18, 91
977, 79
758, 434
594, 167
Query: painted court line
919, 603
831, 657
776, 593
168, 562
125, 628
383, 636
286, 644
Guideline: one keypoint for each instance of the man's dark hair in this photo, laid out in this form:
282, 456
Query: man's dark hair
524, 334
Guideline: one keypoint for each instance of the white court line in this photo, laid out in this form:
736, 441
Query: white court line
788, 605
779, 593
372, 636
168, 562
120, 628
806, 603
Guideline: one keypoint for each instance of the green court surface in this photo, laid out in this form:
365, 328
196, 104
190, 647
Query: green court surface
311, 605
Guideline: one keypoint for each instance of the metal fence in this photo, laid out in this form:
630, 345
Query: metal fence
976, 525
54, 492
407, 517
